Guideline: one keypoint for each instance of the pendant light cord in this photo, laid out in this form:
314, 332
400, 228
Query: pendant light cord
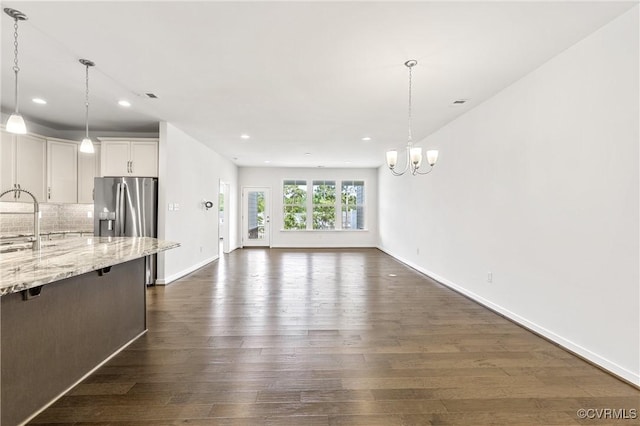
86, 102
410, 135
16, 68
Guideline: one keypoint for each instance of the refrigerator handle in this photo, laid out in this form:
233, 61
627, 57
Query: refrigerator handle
123, 189
118, 209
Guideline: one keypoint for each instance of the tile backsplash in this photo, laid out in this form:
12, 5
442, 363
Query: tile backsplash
54, 218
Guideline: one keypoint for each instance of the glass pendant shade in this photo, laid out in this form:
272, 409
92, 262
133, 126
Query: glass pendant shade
86, 146
415, 155
15, 124
392, 159
432, 156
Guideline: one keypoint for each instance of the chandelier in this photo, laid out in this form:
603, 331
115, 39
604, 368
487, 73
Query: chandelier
414, 153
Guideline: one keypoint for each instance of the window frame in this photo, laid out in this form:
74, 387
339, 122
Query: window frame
309, 183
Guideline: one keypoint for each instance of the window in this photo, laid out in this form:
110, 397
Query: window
324, 204
352, 204
322, 207
294, 203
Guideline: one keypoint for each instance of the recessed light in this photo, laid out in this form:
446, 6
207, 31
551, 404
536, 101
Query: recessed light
124, 103
366, 138
244, 136
39, 101
267, 161
307, 154
347, 162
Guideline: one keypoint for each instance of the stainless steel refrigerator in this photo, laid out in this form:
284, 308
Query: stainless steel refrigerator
127, 207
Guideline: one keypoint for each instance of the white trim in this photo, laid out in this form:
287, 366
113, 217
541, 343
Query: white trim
593, 357
48, 404
190, 269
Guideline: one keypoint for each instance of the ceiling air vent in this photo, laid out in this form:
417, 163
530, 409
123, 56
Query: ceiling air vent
151, 95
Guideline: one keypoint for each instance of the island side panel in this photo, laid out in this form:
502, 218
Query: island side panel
51, 341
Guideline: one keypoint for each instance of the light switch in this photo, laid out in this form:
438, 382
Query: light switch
170, 207
176, 206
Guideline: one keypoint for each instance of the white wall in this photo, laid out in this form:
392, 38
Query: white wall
539, 185
274, 177
190, 172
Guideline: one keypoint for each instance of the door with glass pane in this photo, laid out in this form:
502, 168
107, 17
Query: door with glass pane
256, 226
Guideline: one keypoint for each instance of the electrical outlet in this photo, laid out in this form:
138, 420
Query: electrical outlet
489, 277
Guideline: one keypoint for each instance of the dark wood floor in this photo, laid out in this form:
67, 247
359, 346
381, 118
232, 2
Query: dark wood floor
329, 337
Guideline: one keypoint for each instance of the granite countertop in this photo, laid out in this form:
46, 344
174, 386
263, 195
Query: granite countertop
59, 259
46, 233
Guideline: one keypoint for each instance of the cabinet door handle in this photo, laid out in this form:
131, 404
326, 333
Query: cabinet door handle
49, 192
19, 192
131, 166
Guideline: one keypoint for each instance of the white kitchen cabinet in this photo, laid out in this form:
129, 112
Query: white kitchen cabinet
62, 171
24, 164
88, 169
131, 157
7, 162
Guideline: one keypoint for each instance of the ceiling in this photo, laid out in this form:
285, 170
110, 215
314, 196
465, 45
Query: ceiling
307, 81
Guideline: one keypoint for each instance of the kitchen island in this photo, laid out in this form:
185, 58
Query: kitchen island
65, 310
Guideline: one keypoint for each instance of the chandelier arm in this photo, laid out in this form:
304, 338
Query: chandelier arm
416, 172
407, 163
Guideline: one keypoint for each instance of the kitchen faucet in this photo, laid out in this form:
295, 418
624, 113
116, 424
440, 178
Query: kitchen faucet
36, 214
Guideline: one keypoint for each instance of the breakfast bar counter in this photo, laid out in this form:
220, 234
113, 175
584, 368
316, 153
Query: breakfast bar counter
22, 268
65, 310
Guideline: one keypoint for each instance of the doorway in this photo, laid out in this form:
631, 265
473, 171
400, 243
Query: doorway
223, 217
256, 217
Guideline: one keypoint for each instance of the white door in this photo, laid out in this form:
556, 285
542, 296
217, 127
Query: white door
256, 220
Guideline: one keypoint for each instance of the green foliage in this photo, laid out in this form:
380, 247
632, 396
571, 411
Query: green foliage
295, 211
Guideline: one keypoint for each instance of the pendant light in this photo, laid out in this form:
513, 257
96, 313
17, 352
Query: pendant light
414, 154
86, 145
15, 123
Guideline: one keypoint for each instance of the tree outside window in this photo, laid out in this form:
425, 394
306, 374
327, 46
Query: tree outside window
295, 204
324, 204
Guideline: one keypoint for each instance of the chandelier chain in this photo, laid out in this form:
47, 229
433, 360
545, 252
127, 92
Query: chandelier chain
410, 135
15, 46
16, 68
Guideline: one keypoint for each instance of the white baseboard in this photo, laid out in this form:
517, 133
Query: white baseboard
604, 363
178, 275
